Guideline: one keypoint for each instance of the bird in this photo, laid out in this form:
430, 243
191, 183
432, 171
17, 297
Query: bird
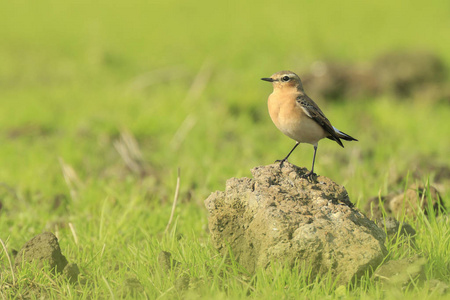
298, 116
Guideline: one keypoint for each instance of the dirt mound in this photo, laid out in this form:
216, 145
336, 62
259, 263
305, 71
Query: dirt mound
408, 203
402, 272
279, 216
400, 74
43, 250
409, 74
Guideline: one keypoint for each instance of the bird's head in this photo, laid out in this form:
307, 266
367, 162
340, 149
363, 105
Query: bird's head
285, 79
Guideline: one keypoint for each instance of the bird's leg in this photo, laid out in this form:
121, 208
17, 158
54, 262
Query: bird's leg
311, 174
281, 161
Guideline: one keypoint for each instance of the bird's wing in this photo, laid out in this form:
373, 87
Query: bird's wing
313, 111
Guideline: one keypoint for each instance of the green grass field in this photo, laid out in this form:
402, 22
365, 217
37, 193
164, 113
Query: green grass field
76, 78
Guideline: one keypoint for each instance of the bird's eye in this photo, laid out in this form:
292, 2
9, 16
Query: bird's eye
285, 78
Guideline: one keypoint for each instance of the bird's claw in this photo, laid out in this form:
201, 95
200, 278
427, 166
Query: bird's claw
310, 176
281, 161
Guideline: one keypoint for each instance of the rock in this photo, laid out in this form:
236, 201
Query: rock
279, 216
42, 249
404, 75
71, 271
327, 80
438, 287
395, 229
402, 272
409, 74
132, 286
166, 262
415, 197
406, 203
182, 282
392, 226
336, 81
374, 210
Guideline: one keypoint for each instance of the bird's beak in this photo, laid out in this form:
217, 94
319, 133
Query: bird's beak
267, 79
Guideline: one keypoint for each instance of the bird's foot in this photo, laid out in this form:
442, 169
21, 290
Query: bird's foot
310, 176
281, 161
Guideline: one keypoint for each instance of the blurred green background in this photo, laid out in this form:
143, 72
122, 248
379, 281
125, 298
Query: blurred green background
183, 79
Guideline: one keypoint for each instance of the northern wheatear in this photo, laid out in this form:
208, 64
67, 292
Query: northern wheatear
298, 116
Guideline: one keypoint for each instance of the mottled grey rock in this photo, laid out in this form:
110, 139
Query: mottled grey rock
279, 216
42, 249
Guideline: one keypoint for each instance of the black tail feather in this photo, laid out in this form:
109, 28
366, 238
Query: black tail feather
346, 137
341, 135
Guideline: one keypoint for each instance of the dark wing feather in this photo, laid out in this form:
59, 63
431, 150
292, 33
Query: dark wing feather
313, 111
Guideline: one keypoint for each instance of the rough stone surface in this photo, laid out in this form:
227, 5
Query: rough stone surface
42, 249
279, 216
408, 203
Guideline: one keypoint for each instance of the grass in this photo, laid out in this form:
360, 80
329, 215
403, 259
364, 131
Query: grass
183, 80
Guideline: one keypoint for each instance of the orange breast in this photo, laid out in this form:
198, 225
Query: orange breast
290, 119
